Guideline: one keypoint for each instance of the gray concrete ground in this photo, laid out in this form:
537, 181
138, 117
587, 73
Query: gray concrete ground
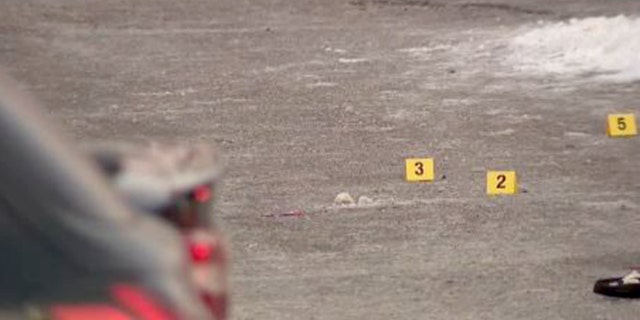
310, 98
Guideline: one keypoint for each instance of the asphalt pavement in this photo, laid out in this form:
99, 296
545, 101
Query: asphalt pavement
311, 98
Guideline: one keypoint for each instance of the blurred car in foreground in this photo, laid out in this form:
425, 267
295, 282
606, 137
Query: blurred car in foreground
72, 249
177, 184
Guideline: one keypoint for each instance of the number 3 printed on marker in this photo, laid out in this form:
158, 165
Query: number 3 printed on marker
419, 168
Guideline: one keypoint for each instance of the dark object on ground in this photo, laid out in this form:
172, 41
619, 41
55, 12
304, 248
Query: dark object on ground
623, 287
72, 249
294, 213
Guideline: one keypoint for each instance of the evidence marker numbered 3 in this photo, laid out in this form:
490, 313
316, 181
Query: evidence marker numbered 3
419, 169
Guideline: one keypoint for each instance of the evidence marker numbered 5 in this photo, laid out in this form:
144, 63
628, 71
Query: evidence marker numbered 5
419, 169
621, 125
501, 182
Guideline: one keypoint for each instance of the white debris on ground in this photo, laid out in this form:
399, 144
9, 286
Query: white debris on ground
364, 201
606, 46
344, 199
632, 278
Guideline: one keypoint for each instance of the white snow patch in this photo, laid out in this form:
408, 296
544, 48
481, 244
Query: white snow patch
572, 134
399, 114
425, 52
495, 112
181, 92
506, 132
609, 205
322, 84
354, 60
606, 46
154, 94
455, 102
336, 50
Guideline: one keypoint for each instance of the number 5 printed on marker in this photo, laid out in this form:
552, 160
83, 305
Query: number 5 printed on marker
621, 125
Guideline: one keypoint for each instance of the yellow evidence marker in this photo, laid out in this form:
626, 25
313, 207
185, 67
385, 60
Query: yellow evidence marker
621, 125
501, 182
419, 169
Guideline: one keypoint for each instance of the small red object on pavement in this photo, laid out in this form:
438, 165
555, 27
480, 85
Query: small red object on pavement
293, 213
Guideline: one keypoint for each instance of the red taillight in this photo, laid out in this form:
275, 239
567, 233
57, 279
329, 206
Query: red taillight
88, 311
140, 303
201, 252
202, 194
217, 304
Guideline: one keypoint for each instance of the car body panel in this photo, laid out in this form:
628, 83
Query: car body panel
60, 222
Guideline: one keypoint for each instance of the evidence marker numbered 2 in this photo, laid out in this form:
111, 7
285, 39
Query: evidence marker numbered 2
501, 182
419, 169
621, 125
